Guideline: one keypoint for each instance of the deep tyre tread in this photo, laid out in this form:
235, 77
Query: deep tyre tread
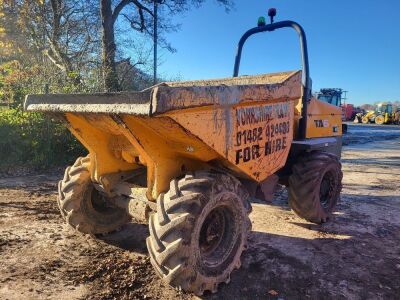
74, 202
173, 243
305, 184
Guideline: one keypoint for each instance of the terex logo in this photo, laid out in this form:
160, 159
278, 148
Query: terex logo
321, 123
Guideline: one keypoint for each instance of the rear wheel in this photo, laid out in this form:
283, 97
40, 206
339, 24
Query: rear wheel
199, 231
82, 206
315, 185
379, 120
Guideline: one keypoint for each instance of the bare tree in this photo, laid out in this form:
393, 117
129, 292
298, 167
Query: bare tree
139, 15
367, 107
65, 31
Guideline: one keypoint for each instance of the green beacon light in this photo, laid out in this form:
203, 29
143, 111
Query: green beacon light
261, 21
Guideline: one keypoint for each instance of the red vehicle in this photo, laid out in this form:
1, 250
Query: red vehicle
349, 111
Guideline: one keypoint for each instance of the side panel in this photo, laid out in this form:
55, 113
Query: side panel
324, 119
262, 136
254, 138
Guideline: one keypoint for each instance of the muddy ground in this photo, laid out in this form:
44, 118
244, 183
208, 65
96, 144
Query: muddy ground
356, 256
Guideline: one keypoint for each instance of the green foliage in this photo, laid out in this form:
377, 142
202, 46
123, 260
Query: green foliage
11, 77
30, 139
34, 140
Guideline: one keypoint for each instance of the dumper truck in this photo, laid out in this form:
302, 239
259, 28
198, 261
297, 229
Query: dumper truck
187, 158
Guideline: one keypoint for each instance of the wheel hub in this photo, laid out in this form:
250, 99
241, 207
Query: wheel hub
212, 232
216, 240
99, 202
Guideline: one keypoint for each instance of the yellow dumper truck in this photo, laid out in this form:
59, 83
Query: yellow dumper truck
188, 156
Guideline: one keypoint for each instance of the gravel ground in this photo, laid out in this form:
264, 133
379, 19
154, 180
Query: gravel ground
356, 256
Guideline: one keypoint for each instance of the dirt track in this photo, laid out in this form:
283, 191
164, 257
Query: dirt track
357, 256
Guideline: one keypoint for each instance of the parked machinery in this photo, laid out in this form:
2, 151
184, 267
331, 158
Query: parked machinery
384, 113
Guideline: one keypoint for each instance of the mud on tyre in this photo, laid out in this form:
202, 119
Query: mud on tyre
199, 231
315, 186
82, 206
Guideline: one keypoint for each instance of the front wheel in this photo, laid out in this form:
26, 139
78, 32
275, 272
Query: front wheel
315, 186
199, 231
365, 120
82, 206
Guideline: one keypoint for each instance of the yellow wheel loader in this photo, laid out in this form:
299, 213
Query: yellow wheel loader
369, 117
188, 156
383, 114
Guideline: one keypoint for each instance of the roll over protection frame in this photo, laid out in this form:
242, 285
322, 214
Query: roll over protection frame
306, 81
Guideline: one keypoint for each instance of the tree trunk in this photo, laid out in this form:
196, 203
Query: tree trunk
110, 76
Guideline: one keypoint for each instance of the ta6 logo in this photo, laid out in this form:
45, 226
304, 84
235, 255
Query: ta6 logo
321, 123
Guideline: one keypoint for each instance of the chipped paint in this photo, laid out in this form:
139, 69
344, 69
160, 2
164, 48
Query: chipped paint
218, 125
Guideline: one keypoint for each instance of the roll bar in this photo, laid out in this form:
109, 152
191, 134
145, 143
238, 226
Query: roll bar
306, 81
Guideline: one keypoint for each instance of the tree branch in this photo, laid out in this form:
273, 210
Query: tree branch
139, 5
118, 9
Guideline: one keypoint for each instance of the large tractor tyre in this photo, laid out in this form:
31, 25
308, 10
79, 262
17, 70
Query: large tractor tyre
199, 231
315, 186
82, 206
380, 120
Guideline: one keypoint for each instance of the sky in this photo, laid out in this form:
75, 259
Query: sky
353, 45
